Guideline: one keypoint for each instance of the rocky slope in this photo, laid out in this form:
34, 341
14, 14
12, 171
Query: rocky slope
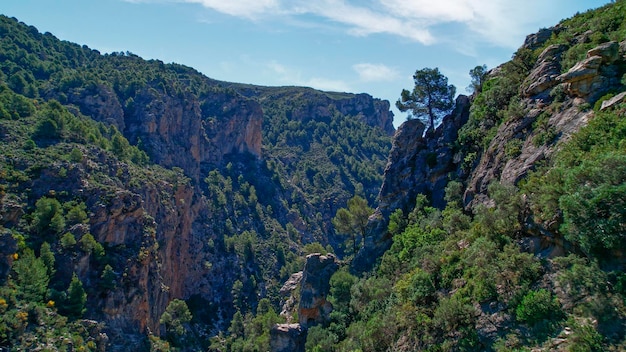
555, 102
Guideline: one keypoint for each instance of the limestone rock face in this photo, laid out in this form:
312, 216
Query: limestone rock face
419, 163
374, 112
178, 132
289, 302
618, 99
314, 288
495, 164
547, 69
100, 102
316, 105
535, 40
287, 338
590, 78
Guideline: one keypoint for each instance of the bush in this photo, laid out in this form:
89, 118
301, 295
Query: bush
537, 306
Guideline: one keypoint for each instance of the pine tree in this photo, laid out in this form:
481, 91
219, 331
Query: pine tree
74, 308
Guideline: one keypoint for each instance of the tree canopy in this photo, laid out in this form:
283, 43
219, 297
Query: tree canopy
431, 98
353, 220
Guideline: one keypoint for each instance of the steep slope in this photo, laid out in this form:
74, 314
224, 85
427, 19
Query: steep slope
186, 187
510, 234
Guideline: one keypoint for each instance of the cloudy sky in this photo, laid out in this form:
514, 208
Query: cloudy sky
371, 46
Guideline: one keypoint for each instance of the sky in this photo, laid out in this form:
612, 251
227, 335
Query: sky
366, 46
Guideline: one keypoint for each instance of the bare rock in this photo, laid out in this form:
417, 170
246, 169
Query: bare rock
547, 69
609, 52
289, 301
535, 40
100, 102
418, 163
496, 165
287, 338
591, 77
618, 99
175, 132
314, 307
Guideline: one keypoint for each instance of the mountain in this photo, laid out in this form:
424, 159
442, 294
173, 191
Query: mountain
133, 185
148, 207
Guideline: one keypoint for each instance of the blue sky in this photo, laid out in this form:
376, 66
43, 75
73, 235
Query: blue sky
371, 46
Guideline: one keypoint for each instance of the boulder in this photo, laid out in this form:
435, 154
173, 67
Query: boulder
588, 79
287, 338
534, 41
609, 52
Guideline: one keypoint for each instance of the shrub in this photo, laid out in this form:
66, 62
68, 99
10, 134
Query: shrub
537, 306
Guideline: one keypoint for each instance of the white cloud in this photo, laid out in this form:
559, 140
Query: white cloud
375, 72
240, 8
499, 22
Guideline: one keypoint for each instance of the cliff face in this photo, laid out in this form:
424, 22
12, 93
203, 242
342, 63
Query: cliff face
417, 164
320, 105
177, 130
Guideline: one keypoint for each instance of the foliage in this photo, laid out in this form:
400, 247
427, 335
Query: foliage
585, 185
430, 99
175, 316
537, 306
478, 76
352, 220
31, 277
75, 305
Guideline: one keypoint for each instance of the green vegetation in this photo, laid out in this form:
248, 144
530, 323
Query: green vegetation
67, 164
430, 99
352, 221
454, 278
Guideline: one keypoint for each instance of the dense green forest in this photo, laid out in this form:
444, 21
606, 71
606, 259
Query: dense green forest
96, 215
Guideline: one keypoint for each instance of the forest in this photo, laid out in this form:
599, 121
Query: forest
121, 229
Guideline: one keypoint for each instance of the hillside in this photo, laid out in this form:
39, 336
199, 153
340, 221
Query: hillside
140, 185
145, 206
504, 229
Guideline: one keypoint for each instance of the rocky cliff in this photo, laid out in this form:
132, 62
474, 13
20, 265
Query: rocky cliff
418, 164
316, 105
554, 103
580, 86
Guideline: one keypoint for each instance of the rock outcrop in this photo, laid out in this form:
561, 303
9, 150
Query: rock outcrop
317, 105
289, 302
314, 307
417, 164
590, 79
546, 71
287, 338
100, 102
618, 99
584, 83
374, 112
176, 131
